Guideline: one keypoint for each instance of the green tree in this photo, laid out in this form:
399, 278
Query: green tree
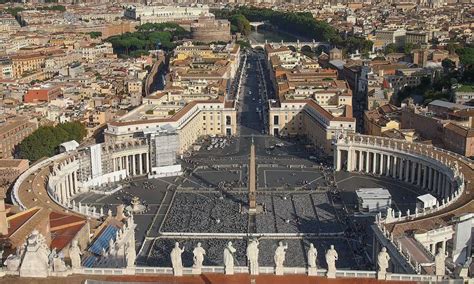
44, 141
390, 48
242, 24
95, 34
448, 65
408, 48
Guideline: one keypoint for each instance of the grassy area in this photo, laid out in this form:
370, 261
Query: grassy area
466, 88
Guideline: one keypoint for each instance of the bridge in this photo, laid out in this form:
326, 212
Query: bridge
255, 25
297, 45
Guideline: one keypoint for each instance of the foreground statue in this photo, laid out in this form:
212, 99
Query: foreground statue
36, 258
176, 260
198, 258
279, 258
382, 261
331, 257
131, 256
312, 256
229, 259
252, 256
440, 265
199, 253
75, 255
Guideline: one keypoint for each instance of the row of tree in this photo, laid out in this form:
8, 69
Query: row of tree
147, 37
44, 141
407, 48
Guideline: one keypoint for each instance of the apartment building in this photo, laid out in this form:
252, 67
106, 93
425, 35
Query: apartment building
446, 124
161, 14
12, 131
22, 63
311, 101
191, 121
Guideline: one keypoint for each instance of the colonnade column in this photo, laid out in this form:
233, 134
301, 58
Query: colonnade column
430, 178
361, 159
446, 184
389, 165
440, 184
69, 183
140, 164
367, 161
413, 172
381, 168
401, 170
349, 160
63, 192
394, 168
407, 171
374, 163
127, 165
418, 178
134, 165
425, 176
147, 162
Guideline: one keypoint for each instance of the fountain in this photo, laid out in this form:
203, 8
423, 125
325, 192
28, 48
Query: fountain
135, 206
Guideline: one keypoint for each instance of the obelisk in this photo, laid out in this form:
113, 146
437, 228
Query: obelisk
252, 181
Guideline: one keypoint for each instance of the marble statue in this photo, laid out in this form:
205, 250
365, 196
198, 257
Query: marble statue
312, 256
382, 261
52, 255
36, 258
131, 255
440, 266
279, 258
176, 260
199, 254
12, 263
58, 264
252, 256
331, 257
229, 259
75, 255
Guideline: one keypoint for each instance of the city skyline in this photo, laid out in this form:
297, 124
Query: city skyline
237, 142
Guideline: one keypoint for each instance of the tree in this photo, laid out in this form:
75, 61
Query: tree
44, 141
408, 48
390, 48
95, 34
147, 37
242, 24
448, 65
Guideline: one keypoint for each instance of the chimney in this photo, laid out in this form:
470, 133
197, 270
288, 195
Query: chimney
3, 213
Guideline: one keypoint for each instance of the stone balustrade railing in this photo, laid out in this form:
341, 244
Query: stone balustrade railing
423, 212
249, 235
245, 270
